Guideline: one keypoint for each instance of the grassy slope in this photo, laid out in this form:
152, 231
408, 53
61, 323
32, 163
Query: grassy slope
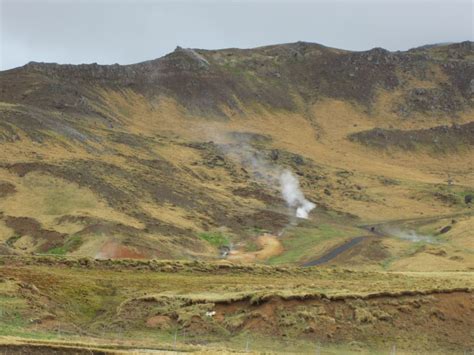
412, 195
138, 169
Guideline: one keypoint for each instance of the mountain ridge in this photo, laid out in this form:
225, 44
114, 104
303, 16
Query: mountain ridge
423, 47
156, 159
205, 82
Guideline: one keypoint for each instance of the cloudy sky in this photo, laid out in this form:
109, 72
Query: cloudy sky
126, 31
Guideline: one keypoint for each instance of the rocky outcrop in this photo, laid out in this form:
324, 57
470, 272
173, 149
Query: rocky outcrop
436, 139
433, 100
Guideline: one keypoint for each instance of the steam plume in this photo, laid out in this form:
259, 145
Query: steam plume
262, 170
294, 197
408, 235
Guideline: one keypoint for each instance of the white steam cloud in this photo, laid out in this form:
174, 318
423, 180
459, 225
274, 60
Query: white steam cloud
294, 197
408, 235
257, 164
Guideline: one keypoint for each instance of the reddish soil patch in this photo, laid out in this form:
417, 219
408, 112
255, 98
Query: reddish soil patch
114, 250
439, 321
446, 319
160, 322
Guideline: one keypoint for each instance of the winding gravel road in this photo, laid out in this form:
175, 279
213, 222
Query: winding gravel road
374, 230
335, 252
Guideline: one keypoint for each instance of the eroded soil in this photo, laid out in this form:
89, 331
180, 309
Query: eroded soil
269, 246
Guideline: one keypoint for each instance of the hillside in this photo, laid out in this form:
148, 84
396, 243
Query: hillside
178, 157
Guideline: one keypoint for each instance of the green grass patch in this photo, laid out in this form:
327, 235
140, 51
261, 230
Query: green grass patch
301, 242
57, 251
216, 239
13, 310
72, 243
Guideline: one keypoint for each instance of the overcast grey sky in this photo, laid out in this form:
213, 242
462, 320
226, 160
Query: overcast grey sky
107, 31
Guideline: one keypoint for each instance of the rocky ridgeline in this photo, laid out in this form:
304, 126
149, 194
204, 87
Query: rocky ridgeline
205, 81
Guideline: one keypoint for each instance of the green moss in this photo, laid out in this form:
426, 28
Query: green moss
216, 239
57, 251
72, 243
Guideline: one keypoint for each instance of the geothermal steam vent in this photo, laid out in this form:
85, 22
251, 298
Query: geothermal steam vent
294, 197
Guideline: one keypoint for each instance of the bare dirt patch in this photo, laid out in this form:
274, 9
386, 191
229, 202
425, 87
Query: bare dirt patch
270, 246
114, 250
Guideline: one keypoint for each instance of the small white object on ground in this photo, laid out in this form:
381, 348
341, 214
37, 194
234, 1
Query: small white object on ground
211, 314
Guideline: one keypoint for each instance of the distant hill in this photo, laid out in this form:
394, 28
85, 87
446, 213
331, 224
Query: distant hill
157, 159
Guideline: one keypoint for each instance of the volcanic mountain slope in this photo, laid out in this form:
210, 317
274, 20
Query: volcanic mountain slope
157, 159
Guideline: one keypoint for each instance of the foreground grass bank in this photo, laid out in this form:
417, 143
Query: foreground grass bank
196, 306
